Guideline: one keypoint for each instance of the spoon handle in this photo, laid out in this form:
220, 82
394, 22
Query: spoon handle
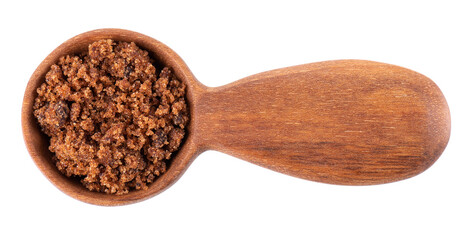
346, 122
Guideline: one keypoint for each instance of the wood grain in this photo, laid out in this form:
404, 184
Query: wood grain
346, 122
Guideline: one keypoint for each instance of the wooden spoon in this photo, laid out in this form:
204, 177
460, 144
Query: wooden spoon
348, 122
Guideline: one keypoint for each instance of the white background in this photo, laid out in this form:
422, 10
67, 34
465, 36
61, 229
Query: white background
221, 197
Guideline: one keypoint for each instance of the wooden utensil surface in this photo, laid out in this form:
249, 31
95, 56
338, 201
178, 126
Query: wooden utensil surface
344, 122
350, 122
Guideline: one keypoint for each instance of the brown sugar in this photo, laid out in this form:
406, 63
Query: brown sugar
112, 121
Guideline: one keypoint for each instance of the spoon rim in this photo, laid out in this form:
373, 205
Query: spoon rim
37, 143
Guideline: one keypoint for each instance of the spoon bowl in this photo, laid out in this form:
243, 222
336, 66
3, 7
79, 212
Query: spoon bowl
37, 142
349, 122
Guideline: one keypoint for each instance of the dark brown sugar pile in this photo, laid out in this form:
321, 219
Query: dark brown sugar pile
112, 121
